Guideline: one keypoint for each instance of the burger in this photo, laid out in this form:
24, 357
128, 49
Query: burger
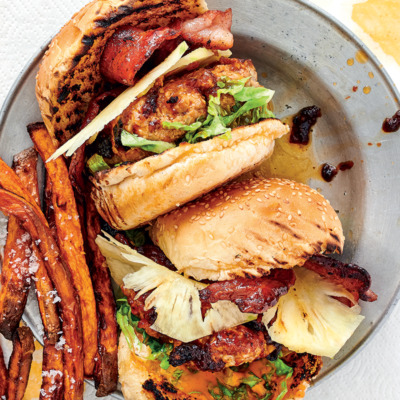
145, 95
235, 296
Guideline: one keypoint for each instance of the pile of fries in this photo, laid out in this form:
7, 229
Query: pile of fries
55, 250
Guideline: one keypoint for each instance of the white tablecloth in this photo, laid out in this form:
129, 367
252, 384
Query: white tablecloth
374, 372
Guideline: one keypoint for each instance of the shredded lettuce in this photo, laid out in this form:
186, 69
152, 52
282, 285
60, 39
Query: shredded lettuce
136, 236
154, 146
278, 368
250, 107
129, 327
251, 380
97, 163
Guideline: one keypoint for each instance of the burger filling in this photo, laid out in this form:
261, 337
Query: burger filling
193, 107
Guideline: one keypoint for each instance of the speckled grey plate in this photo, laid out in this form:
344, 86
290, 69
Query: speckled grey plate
302, 53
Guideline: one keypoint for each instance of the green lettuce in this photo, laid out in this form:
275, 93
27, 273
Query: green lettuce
136, 236
154, 146
97, 163
279, 368
129, 327
250, 107
251, 380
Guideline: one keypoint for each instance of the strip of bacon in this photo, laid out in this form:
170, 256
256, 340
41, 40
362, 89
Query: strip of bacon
251, 295
352, 277
211, 30
128, 49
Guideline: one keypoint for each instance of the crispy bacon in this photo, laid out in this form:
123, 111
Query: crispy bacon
249, 294
212, 30
352, 277
129, 48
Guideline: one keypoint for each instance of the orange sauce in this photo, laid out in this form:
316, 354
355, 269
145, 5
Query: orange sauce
350, 61
291, 161
361, 57
367, 89
199, 384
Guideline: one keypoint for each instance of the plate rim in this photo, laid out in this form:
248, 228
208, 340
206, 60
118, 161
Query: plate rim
328, 19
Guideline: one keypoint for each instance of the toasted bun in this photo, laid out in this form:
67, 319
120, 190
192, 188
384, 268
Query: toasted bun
129, 196
69, 75
247, 228
141, 380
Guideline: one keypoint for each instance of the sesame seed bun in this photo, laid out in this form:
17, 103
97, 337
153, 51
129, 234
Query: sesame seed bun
247, 228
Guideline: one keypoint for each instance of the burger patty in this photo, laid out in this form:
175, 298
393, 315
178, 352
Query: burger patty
182, 99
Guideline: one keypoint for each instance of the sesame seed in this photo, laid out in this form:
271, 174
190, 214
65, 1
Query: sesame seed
210, 236
289, 217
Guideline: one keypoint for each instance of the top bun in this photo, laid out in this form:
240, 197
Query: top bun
69, 74
248, 227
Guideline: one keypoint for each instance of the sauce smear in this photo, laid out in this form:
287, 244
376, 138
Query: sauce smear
329, 171
392, 124
302, 124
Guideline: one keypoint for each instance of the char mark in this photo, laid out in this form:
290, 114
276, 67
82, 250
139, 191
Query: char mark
151, 387
188, 352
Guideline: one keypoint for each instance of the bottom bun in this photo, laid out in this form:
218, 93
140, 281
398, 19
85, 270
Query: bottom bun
142, 379
131, 195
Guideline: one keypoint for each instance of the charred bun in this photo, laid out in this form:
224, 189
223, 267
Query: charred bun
247, 228
69, 74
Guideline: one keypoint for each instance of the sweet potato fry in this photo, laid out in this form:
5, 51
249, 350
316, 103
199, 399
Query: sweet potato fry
3, 376
20, 363
16, 277
48, 206
35, 223
52, 366
106, 370
18, 266
52, 372
25, 166
70, 239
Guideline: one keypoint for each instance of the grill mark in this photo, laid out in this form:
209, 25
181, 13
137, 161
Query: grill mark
122, 12
334, 237
285, 228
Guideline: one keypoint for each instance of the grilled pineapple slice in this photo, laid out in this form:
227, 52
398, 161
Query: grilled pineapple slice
175, 298
309, 319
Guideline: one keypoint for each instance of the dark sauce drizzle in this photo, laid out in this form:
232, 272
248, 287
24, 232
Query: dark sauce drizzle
392, 124
329, 171
302, 124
